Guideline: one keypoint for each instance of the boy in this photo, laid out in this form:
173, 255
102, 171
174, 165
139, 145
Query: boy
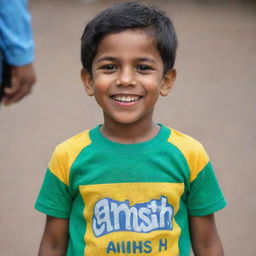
129, 186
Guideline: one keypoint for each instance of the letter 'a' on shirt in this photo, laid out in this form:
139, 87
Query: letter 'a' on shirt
129, 199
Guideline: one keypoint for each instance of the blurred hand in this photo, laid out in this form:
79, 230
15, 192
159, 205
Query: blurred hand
22, 80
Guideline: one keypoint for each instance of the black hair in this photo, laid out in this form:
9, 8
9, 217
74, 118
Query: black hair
130, 15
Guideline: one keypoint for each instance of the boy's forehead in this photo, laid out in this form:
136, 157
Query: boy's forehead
129, 40
134, 32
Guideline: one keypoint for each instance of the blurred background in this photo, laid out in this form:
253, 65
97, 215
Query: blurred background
213, 101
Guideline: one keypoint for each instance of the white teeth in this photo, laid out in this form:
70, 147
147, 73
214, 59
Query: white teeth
126, 98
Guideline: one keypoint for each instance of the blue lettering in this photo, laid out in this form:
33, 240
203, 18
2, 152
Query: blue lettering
118, 247
148, 248
123, 247
162, 243
135, 246
111, 247
113, 216
129, 247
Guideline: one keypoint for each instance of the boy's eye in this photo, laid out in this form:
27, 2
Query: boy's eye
109, 67
143, 67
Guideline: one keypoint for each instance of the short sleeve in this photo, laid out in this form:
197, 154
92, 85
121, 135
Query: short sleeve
205, 196
54, 198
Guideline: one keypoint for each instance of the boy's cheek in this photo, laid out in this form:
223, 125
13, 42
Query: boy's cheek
100, 78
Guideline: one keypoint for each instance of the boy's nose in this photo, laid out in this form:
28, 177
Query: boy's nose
126, 78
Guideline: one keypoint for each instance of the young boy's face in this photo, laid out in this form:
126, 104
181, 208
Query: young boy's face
127, 77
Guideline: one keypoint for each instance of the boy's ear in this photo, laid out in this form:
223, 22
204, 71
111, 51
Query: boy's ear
87, 80
167, 82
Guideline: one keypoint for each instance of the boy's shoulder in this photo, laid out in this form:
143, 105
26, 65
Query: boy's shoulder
74, 144
184, 142
66, 153
192, 150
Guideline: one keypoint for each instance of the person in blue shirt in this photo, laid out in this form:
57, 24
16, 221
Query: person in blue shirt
16, 49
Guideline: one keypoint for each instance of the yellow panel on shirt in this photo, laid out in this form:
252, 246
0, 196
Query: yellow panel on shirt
132, 218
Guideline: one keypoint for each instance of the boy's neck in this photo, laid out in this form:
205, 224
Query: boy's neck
130, 133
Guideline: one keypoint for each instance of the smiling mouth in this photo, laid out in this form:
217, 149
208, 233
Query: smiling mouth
126, 98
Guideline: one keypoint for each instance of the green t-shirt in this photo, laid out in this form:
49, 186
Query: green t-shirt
129, 199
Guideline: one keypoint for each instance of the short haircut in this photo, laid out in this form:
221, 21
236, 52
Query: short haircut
130, 15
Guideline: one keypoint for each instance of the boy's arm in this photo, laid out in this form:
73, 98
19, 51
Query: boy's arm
204, 236
55, 238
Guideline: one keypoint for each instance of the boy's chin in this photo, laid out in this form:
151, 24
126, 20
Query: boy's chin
121, 120
127, 120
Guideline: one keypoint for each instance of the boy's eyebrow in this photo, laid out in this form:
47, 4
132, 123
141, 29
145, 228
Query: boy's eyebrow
143, 59
146, 59
106, 58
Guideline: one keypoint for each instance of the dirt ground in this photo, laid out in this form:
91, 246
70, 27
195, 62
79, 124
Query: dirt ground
213, 100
